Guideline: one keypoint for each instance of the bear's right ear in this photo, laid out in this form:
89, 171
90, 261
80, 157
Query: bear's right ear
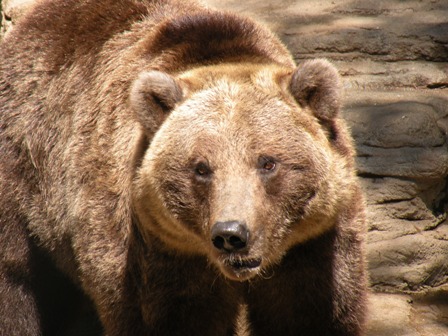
153, 95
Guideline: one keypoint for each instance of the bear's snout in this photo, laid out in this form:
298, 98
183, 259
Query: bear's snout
230, 236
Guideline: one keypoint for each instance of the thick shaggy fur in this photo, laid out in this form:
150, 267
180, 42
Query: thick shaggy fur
127, 130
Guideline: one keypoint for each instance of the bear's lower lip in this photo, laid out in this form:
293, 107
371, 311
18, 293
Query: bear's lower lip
241, 264
239, 267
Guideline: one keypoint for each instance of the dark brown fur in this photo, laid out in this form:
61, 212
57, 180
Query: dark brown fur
77, 176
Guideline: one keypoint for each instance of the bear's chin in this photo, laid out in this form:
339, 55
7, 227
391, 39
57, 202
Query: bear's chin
240, 269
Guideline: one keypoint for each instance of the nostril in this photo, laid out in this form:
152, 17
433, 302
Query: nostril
229, 236
218, 242
237, 242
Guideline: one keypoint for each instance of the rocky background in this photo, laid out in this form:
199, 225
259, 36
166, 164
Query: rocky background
393, 56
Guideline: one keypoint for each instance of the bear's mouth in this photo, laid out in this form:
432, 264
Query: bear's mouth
241, 264
239, 267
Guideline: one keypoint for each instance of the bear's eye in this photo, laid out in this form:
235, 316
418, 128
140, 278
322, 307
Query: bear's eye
267, 164
202, 170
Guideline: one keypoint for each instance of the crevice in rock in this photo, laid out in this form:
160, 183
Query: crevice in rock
441, 85
368, 175
440, 206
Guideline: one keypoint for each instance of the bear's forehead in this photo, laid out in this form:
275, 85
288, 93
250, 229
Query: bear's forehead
217, 121
270, 79
255, 105
245, 91
234, 110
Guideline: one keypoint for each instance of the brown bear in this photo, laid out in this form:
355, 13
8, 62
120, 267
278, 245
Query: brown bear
170, 168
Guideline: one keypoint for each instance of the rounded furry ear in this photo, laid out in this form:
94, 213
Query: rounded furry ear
153, 95
316, 84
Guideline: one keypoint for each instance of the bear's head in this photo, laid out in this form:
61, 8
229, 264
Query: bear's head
243, 161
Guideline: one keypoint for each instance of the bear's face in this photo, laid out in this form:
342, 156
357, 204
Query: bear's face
238, 171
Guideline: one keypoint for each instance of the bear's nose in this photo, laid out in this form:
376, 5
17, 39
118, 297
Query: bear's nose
230, 236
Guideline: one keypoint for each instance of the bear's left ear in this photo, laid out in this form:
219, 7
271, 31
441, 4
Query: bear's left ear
316, 84
153, 95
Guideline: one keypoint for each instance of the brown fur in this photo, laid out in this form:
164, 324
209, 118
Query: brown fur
128, 129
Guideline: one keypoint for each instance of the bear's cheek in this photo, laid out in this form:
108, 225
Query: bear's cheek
184, 204
285, 205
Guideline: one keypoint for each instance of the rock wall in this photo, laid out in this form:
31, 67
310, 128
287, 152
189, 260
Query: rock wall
393, 56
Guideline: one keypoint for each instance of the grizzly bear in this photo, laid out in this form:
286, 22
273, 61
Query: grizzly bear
168, 168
